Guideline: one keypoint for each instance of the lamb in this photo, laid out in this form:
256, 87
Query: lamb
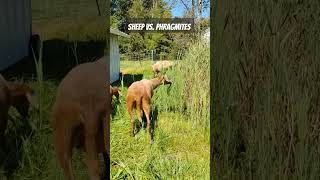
139, 97
161, 65
81, 116
17, 95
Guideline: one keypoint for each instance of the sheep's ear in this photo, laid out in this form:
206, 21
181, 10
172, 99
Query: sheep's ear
33, 99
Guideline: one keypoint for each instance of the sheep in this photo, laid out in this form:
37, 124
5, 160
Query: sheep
81, 116
115, 91
161, 65
139, 97
15, 94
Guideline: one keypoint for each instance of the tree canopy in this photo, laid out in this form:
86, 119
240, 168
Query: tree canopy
140, 43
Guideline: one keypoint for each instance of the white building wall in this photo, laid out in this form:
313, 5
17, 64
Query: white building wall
114, 59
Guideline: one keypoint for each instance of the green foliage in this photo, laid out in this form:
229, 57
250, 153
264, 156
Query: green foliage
181, 145
137, 10
191, 79
266, 90
139, 43
119, 9
114, 22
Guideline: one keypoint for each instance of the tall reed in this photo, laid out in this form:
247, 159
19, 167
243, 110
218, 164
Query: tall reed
189, 93
266, 90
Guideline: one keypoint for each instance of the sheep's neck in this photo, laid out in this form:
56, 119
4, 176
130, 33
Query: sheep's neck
155, 83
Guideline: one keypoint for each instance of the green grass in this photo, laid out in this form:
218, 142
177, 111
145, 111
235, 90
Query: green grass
180, 149
31, 153
266, 90
181, 144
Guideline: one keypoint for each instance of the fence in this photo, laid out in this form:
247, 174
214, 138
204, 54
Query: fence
151, 56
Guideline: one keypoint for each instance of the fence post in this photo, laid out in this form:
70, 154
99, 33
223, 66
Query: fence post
152, 56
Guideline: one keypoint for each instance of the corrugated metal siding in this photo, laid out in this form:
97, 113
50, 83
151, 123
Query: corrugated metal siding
114, 59
15, 31
66, 9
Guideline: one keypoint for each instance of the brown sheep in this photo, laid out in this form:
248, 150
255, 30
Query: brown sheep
115, 91
81, 116
161, 65
17, 95
139, 97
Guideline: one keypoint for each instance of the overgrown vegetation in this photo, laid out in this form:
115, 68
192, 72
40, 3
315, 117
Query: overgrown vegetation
266, 90
189, 95
181, 115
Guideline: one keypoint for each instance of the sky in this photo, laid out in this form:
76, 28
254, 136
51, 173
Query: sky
179, 9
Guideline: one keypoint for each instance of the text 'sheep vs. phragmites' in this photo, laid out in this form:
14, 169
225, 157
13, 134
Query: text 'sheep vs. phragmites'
160, 26
173, 27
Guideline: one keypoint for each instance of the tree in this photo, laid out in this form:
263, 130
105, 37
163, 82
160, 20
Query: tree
137, 10
119, 9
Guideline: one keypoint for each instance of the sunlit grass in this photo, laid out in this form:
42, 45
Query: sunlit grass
181, 144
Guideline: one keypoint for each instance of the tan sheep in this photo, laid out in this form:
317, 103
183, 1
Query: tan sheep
161, 65
81, 116
17, 95
139, 97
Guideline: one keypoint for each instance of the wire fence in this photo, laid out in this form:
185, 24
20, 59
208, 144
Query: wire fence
151, 56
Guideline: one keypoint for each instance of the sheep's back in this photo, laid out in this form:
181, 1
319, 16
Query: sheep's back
85, 85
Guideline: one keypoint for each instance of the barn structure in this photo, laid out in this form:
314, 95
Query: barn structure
114, 54
15, 31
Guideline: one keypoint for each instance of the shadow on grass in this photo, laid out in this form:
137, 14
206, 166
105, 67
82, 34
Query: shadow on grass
12, 152
128, 79
58, 58
114, 106
154, 119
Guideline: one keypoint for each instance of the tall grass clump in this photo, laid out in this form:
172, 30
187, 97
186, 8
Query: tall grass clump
179, 115
35, 148
266, 85
189, 93
34, 156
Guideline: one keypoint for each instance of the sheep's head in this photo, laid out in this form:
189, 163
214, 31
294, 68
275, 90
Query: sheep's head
115, 92
165, 80
21, 97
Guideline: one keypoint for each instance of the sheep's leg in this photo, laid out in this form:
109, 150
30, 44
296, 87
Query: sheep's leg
3, 126
139, 113
91, 147
146, 109
92, 157
129, 109
63, 148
